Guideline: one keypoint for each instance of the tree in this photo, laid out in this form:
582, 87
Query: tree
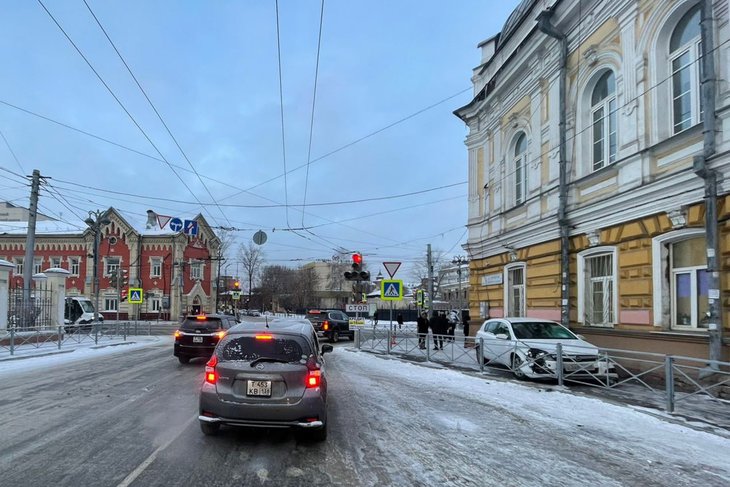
419, 271
252, 258
227, 239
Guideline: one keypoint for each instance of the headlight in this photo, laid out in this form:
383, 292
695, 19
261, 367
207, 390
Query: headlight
536, 353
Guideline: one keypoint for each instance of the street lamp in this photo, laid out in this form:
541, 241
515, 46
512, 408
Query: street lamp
95, 221
458, 261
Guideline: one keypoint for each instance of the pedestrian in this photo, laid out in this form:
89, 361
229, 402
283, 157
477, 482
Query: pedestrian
465, 319
438, 325
422, 323
399, 319
375, 319
451, 326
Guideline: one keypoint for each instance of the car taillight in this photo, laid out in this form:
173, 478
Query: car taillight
264, 337
211, 376
220, 334
177, 334
326, 325
314, 377
200, 317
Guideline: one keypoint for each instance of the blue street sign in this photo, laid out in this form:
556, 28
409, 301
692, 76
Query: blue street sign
176, 225
191, 228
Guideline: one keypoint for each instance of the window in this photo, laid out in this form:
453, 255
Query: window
19, 266
520, 168
603, 117
196, 270
156, 305
515, 290
110, 304
689, 282
38, 265
74, 266
597, 296
684, 60
156, 268
111, 265
501, 329
55, 262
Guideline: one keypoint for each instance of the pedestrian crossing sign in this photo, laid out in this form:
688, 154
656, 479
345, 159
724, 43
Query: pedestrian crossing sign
135, 295
391, 290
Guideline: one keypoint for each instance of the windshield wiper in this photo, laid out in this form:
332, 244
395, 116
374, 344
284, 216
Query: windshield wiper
268, 359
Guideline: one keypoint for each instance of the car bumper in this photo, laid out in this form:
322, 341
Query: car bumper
193, 350
309, 412
571, 369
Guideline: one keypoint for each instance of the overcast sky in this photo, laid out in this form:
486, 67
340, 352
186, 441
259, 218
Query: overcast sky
211, 70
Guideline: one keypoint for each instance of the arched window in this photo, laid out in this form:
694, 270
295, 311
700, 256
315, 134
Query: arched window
684, 57
520, 168
603, 116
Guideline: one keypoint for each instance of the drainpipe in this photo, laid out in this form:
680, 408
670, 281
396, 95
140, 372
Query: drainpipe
709, 176
546, 26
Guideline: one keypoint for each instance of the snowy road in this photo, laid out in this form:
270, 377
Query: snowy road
129, 418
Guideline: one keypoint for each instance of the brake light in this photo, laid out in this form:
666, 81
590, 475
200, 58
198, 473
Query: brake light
211, 376
177, 334
220, 334
264, 337
326, 325
200, 317
314, 378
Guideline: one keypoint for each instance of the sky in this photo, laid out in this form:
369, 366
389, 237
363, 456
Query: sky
211, 70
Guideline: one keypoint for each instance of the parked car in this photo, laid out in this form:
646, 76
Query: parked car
331, 324
268, 375
199, 334
254, 312
528, 347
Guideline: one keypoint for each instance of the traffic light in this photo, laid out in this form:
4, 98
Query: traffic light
357, 274
237, 285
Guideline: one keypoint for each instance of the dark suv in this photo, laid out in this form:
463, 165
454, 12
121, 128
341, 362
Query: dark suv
331, 323
199, 334
267, 376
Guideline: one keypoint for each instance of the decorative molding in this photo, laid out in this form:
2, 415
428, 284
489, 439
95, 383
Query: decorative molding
678, 218
594, 238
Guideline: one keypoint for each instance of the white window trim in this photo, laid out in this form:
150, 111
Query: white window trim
519, 159
71, 261
582, 256
661, 289
202, 269
505, 280
19, 265
106, 264
158, 302
115, 299
604, 105
38, 262
152, 267
693, 47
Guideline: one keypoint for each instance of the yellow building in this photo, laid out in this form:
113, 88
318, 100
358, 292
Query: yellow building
592, 160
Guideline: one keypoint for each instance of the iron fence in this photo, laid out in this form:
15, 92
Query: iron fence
673, 381
34, 311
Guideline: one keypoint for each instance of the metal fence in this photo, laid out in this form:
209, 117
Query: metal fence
16, 339
672, 381
33, 312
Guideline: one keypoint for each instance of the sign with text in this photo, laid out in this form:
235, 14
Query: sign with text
357, 322
492, 279
357, 308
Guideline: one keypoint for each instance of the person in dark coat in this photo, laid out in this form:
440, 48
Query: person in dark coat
439, 325
422, 323
399, 319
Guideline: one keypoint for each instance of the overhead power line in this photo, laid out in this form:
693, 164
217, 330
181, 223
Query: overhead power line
12, 151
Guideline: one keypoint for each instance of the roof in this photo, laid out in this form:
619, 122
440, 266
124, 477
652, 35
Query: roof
293, 326
46, 227
512, 319
515, 19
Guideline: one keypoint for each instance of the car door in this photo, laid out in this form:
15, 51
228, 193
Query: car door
501, 347
487, 336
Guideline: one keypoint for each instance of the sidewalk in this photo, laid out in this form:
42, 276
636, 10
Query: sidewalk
46, 349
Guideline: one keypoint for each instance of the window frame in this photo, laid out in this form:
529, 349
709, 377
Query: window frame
110, 267
583, 289
196, 266
693, 272
693, 47
610, 125
155, 262
19, 265
508, 289
38, 265
74, 261
108, 299
519, 164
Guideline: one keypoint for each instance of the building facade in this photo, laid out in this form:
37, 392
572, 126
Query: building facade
453, 285
176, 272
595, 149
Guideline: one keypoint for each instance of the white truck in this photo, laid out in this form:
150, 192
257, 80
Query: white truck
78, 314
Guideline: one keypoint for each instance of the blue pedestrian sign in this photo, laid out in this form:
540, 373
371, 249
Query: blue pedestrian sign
191, 228
391, 290
135, 295
176, 225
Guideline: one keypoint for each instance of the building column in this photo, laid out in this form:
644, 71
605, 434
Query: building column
5, 268
57, 281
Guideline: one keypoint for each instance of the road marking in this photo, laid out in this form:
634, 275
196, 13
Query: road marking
153, 456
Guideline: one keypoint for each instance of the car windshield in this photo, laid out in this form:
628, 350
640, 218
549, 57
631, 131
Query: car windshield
86, 306
540, 329
203, 322
249, 348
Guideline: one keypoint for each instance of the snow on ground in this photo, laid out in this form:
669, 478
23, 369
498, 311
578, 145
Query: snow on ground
572, 415
79, 352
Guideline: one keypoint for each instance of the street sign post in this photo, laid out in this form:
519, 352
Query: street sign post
135, 295
391, 290
391, 268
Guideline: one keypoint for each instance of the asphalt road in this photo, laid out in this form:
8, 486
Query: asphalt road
131, 419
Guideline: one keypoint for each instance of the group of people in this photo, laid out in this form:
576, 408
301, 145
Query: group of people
441, 327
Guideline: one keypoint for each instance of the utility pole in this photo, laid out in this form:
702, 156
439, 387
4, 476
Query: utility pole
429, 263
95, 221
30, 245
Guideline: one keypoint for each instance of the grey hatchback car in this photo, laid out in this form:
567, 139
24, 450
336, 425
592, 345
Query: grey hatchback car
271, 375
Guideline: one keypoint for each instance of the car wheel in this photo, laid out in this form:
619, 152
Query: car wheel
210, 429
184, 360
335, 336
516, 367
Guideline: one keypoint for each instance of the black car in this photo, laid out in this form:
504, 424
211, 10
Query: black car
331, 323
199, 334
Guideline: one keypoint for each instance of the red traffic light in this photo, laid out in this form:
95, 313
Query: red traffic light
357, 258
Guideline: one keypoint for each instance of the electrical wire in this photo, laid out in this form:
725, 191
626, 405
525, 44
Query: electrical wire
281, 111
12, 151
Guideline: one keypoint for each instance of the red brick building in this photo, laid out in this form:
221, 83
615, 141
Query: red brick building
177, 272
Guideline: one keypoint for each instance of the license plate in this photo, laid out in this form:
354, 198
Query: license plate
258, 388
573, 366
197, 339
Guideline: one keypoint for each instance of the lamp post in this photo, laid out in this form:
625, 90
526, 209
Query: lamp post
95, 221
458, 261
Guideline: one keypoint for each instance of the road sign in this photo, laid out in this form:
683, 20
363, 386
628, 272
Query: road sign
391, 290
391, 268
162, 220
190, 228
259, 238
176, 225
419, 298
135, 295
357, 322
357, 308
236, 295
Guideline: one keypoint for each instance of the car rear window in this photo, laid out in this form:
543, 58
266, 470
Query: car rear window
248, 348
208, 323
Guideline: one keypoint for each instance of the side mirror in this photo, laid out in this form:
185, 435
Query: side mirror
501, 336
327, 348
